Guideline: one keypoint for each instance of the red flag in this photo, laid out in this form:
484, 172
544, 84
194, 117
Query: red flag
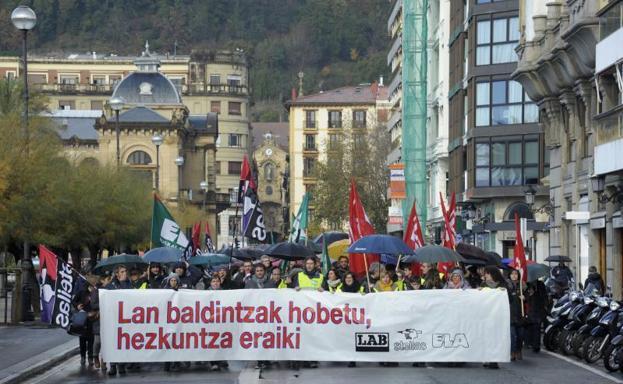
48, 261
449, 233
413, 236
519, 258
196, 234
246, 179
359, 226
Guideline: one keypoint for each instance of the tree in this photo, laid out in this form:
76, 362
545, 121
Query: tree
355, 155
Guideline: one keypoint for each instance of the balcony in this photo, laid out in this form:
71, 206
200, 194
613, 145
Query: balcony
200, 89
74, 89
609, 143
310, 125
395, 13
336, 124
608, 50
358, 124
394, 49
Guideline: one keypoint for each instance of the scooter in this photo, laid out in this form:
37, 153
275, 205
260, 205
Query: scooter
600, 306
613, 352
601, 334
557, 319
577, 317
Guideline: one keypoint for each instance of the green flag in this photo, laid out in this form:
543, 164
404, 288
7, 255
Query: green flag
299, 225
164, 230
326, 260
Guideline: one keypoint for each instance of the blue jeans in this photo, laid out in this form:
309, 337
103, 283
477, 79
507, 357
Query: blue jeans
516, 338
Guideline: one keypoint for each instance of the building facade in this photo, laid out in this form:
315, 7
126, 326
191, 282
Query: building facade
208, 81
317, 120
570, 65
496, 149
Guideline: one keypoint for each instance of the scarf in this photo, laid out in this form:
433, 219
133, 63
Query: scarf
333, 283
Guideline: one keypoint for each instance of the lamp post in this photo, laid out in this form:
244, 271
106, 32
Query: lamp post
179, 161
530, 193
25, 19
204, 187
116, 103
157, 140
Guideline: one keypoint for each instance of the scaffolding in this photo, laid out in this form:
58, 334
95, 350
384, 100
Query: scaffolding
414, 105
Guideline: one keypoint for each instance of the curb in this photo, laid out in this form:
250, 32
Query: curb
39, 363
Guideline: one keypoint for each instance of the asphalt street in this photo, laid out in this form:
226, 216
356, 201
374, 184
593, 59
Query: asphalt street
534, 369
19, 343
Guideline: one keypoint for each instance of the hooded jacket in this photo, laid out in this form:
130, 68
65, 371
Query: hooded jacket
595, 279
463, 284
190, 276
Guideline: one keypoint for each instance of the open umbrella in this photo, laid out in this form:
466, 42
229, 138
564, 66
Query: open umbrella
316, 248
558, 259
536, 271
210, 260
289, 251
163, 255
494, 259
338, 248
242, 253
331, 237
391, 245
129, 261
469, 251
433, 254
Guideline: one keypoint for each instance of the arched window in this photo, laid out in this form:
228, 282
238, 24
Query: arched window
269, 171
89, 162
139, 158
522, 210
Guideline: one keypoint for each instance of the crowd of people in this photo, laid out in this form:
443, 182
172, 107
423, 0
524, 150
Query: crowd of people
528, 302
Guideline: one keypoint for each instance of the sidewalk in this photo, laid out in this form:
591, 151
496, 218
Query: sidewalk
31, 348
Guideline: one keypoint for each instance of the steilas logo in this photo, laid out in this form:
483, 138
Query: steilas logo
409, 341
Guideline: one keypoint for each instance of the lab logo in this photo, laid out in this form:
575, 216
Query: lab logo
371, 342
409, 342
447, 340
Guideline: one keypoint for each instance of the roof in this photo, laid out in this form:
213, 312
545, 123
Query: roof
141, 115
361, 94
147, 88
280, 132
81, 128
199, 123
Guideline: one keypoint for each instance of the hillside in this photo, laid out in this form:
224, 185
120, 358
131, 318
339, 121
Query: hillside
334, 42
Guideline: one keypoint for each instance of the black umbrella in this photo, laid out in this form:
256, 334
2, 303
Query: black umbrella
242, 253
558, 259
330, 237
289, 251
471, 251
433, 254
316, 248
129, 261
494, 259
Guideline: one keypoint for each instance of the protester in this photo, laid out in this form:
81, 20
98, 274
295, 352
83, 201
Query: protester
215, 285
82, 302
223, 275
156, 276
138, 281
400, 282
267, 263
595, 278
350, 284
332, 282
259, 279
472, 276
241, 277
515, 300
374, 273
431, 277
173, 281
385, 283
457, 280
493, 279
414, 283
189, 275
275, 280
120, 281
536, 296
342, 267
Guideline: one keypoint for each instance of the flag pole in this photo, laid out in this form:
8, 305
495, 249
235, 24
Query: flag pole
398, 263
365, 262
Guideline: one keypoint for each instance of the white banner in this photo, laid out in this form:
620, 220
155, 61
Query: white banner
283, 324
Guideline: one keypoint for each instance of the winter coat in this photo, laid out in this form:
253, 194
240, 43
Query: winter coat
116, 284
255, 283
514, 301
355, 287
332, 285
463, 284
155, 281
190, 276
595, 279
84, 298
536, 301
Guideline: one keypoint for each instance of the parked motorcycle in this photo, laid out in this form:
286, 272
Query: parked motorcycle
614, 350
558, 318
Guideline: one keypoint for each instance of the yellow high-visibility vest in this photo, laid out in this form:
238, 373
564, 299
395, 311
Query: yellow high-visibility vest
306, 283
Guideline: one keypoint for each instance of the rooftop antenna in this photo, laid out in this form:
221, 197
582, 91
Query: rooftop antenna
300, 76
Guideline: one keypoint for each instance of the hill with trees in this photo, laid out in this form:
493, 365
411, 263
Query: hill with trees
334, 42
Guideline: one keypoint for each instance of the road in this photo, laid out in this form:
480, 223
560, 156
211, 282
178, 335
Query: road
543, 368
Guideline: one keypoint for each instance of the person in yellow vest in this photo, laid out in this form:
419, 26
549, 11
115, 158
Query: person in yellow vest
401, 285
275, 280
430, 278
332, 282
309, 278
385, 284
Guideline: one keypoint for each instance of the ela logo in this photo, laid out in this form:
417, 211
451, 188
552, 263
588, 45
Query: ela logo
171, 235
372, 342
446, 340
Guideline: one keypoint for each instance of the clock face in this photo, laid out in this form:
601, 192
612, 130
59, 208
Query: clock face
268, 151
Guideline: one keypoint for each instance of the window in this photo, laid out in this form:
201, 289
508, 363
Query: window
233, 80
496, 40
234, 225
66, 104
114, 79
503, 102
234, 167
235, 140
334, 140
359, 119
359, 141
139, 158
335, 119
507, 161
215, 106
69, 79
310, 142
97, 105
99, 80
36, 78
308, 166
215, 79
310, 119
269, 172
234, 108
269, 190
217, 167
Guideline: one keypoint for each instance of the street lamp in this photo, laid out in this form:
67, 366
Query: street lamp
204, 187
24, 19
179, 161
116, 103
530, 193
157, 140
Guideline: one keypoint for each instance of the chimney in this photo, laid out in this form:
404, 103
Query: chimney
381, 81
374, 88
293, 94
